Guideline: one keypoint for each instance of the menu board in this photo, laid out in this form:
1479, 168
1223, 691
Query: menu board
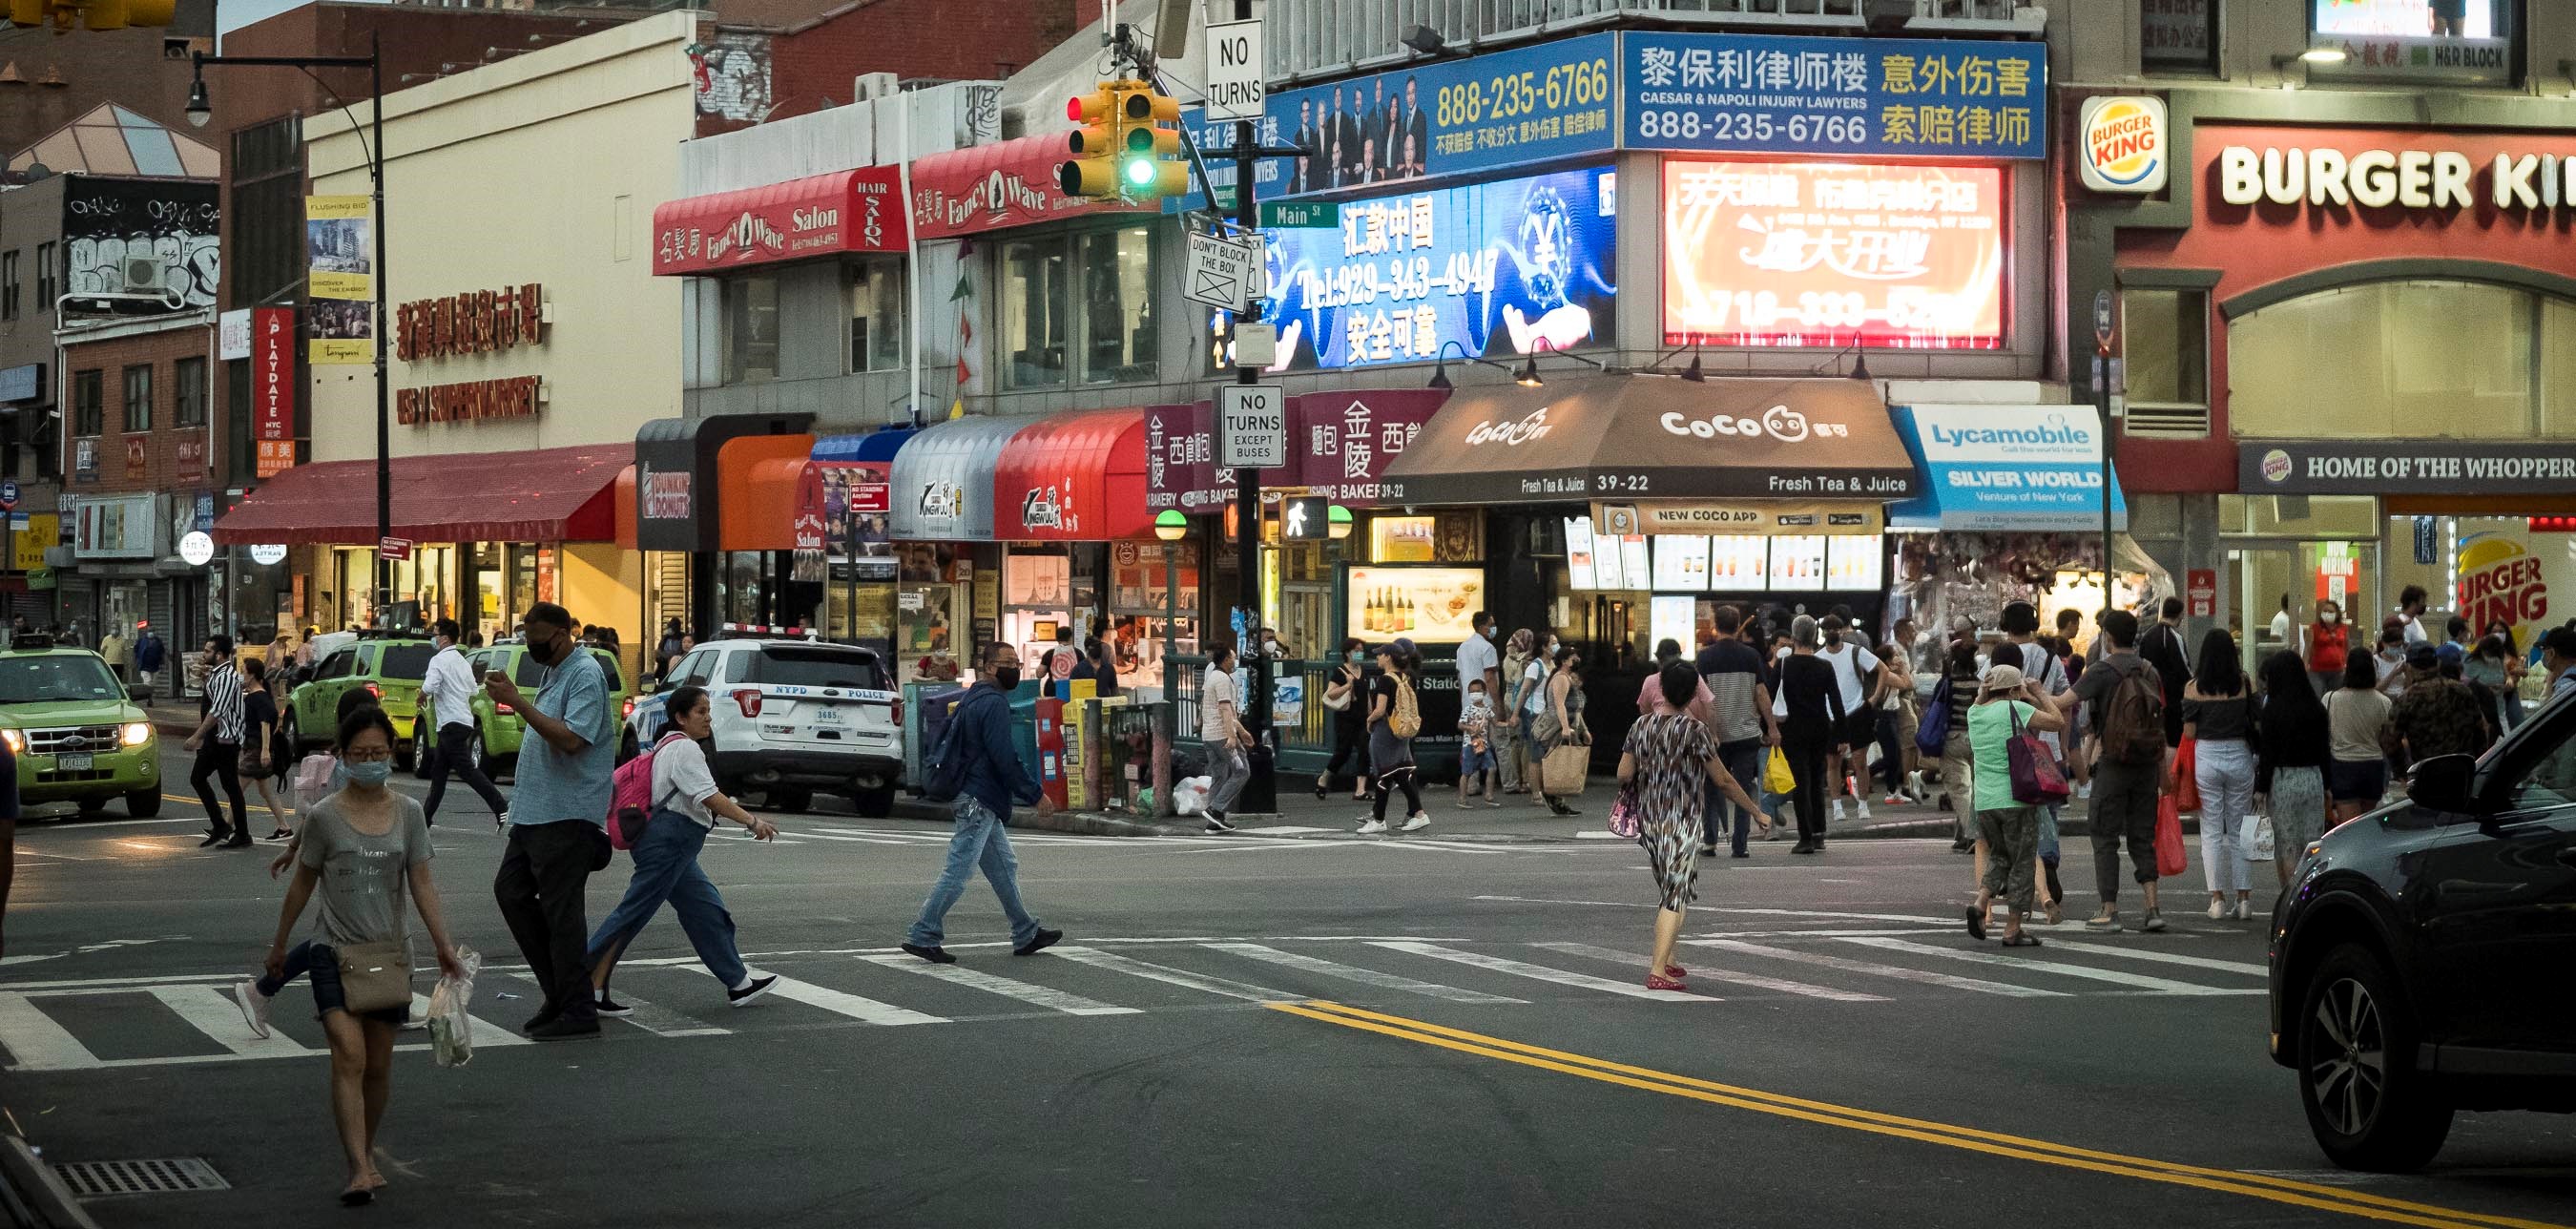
1578, 552
1632, 560
1681, 563
1427, 605
1673, 618
1798, 562
1607, 570
1739, 562
1853, 562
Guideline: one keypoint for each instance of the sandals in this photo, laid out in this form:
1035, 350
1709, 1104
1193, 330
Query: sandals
2055, 914
1675, 972
1976, 922
1657, 981
2021, 940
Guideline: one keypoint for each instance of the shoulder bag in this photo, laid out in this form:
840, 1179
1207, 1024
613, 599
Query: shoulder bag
1934, 732
374, 976
2036, 780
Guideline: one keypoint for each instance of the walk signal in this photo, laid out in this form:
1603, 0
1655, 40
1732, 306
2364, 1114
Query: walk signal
1126, 143
91, 14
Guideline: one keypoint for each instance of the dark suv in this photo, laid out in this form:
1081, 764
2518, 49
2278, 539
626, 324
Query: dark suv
2424, 958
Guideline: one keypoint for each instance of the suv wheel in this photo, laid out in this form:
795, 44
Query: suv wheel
873, 803
2368, 1106
294, 734
626, 748
407, 757
143, 803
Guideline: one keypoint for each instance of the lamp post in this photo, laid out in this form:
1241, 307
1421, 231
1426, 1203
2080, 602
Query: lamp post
201, 110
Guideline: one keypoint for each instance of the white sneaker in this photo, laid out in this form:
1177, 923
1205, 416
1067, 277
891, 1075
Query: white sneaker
1837, 815
1914, 785
1373, 827
1419, 822
1862, 805
2217, 910
2245, 911
254, 1005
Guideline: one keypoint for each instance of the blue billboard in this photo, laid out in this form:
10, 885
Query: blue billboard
1751, 93
1503, 268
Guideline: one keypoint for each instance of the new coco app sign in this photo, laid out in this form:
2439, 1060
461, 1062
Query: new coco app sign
2120, 144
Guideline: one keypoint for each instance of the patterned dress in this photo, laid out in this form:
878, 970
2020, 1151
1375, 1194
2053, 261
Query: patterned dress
1672, 751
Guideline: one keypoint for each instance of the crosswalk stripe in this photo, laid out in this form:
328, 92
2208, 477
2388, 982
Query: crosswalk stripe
214, 1012
819, 835
1725, 975
851, 1005
2131, 953
661, 1021
1369, 977
1540, 972
487, 1035
1875, 969
2132, 980
1041, 996
36, 1041
1177, 977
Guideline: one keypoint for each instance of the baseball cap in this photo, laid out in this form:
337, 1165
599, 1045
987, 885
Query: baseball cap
2423, 656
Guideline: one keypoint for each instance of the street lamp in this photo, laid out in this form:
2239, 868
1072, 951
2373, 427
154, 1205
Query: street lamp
1440, 376
200, 110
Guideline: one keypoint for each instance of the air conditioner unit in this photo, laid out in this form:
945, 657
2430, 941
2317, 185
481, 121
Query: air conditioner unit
143, 275
873, 85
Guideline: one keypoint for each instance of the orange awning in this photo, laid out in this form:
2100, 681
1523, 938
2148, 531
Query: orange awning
769, 494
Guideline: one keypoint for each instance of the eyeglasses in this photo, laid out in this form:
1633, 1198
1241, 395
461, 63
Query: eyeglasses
366, 757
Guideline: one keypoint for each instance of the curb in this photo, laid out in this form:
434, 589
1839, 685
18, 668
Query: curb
1084, 823
36, 1196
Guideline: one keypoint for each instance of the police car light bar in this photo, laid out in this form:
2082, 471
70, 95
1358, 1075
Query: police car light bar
764, 629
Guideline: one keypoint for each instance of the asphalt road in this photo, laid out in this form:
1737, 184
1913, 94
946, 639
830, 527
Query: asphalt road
1252, 1030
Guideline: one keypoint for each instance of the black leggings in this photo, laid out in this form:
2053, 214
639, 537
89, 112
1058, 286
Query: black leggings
223, 760
1807, 764
1348, 744
1891, 752
1390, 781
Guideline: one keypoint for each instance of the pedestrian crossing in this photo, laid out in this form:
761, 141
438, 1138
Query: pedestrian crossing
107, 1024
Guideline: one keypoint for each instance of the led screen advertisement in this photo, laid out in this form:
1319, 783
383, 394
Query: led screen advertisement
1834, 254
1500, 269
2413, 39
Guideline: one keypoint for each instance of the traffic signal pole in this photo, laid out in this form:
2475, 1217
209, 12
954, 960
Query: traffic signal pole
1260, 794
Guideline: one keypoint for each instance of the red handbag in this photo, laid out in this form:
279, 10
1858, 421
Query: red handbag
2186, 776
2171, 860
2036, 779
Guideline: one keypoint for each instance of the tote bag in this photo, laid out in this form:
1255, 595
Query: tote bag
1934, 733
2036, 780
1563, 772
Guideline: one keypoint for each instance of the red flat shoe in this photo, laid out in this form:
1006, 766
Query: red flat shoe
1676, 972
1657, 981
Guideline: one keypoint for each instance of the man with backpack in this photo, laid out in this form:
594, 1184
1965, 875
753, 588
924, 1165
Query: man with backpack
1228, 743
2126, 698
976, 770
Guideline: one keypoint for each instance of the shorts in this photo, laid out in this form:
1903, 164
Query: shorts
2357, 780
1472, 761
1860, 729
327, 995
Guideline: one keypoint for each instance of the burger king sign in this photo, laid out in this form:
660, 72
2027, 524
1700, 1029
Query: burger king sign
2120, 144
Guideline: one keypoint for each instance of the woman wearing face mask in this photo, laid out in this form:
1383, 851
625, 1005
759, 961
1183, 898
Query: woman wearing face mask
2512, 660
1526, 688
1350, 722
2329, 640
683, 811
1390, 754
1560, 720
2488, 670
360, 849
1509, 731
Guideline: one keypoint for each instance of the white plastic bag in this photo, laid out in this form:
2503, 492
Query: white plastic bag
2257, 838
1189, 795
451, 1031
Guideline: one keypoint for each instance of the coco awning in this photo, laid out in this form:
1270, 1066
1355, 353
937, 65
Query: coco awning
1656, 438
2007, 468
821, 215
547, 495
1074, 477
943, 480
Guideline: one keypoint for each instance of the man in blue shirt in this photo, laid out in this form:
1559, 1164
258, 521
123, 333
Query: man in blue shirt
558, 819
994, 780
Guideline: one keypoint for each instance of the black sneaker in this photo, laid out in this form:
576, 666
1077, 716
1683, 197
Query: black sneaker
612, 1008
239, 840
542, 1019
1044, 940
1217, 822
934, 953
758, 987
567, 1028
215, 837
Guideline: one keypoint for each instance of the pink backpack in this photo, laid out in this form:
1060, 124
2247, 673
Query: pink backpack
630, 795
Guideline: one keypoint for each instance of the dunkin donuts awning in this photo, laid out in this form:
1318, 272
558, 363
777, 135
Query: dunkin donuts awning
1656, 438
821, 215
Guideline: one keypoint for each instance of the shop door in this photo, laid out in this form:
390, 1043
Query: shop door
2260, 575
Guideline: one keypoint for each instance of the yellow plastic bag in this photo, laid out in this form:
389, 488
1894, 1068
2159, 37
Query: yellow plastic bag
1776, 777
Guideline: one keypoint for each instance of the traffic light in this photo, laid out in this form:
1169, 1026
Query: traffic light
1126, 143
91, 14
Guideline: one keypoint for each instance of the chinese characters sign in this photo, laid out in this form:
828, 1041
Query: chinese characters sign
2457, 39
272, 387
474, 322
1758, 94
1816, 254
1498, 268
1338, 445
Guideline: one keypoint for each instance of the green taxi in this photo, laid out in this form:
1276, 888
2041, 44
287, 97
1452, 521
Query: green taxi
77, 735
494, 746
388, 667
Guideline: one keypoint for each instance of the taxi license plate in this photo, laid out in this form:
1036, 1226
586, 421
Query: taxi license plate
73, 763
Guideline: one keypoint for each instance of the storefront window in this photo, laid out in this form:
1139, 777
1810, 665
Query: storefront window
2302, 516
2395, 360
2165, 337
750, 329
1117, 298
1033, 311
876, 316
1037, 598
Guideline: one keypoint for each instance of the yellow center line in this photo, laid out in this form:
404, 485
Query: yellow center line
2278, 1190
193, 800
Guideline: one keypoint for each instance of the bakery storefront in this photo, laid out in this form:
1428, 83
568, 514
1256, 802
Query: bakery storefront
2350, 343
1636, 505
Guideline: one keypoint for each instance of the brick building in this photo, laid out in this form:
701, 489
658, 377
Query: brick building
136, 404
763, 60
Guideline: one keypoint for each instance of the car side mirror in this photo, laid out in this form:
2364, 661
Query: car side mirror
694, 680
2445, 783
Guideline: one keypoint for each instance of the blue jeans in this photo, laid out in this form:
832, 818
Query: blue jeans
980, 841
1744, 761
299, 961
666, 868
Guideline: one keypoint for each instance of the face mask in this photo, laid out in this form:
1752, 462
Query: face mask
1006, 677
1357, 657
368, 772
2330, 619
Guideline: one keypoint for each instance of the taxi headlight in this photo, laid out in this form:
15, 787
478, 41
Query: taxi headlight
135, 733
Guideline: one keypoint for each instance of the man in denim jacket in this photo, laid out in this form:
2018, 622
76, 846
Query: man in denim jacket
995, 780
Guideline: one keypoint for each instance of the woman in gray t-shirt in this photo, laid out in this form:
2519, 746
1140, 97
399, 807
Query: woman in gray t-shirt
360, 849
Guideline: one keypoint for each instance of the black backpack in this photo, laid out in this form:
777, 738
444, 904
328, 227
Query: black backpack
943, 771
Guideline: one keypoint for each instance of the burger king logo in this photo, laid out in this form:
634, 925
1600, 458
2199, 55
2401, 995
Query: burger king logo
2121, 144
2501, 581
2276, 466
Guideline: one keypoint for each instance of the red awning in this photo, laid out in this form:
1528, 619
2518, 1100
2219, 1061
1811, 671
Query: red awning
845, 211
1076, 477
993, 187
546, 495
